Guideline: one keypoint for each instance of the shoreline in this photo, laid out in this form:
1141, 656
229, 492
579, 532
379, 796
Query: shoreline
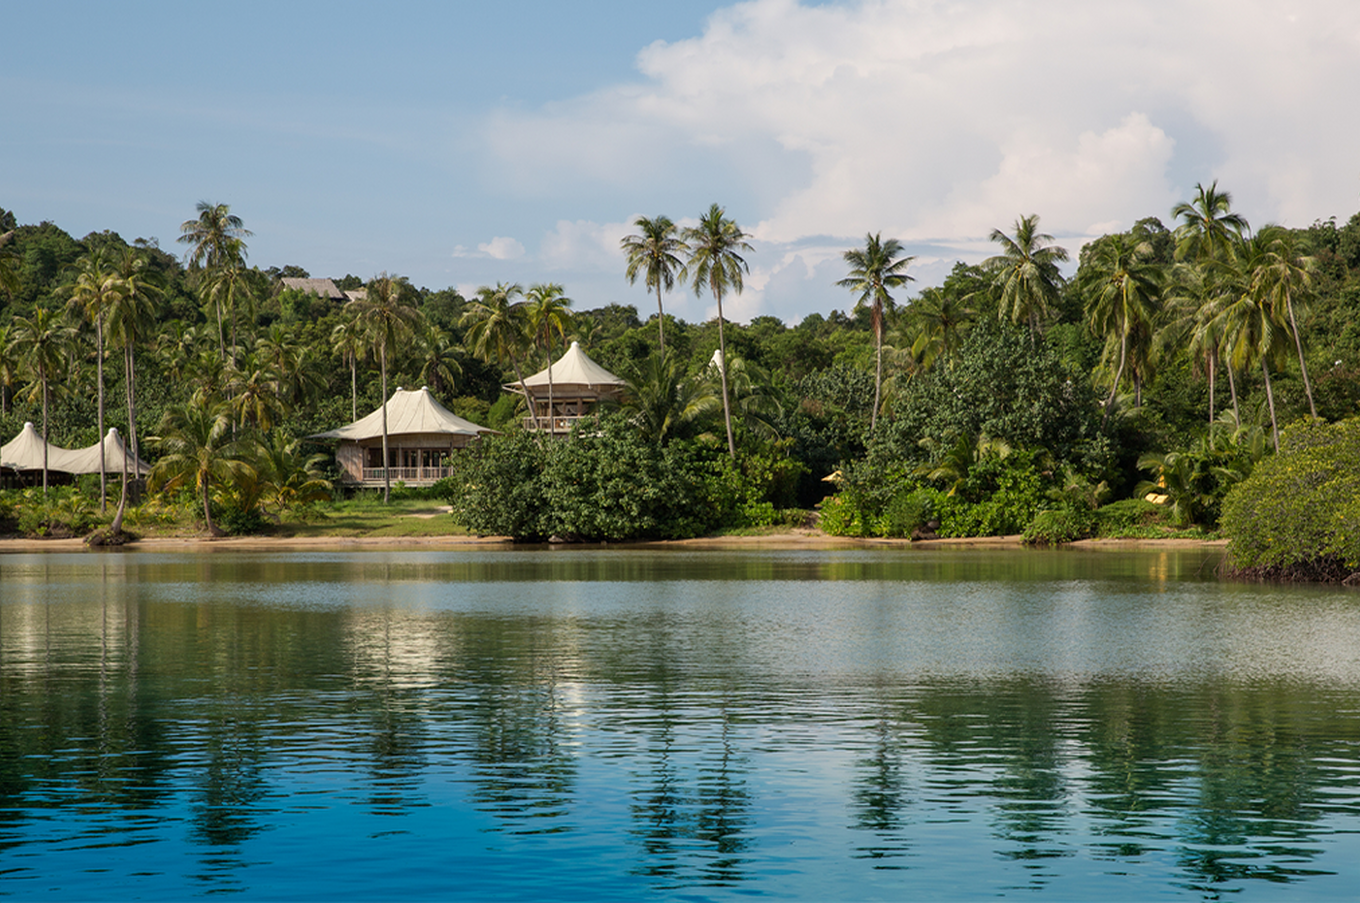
795, 539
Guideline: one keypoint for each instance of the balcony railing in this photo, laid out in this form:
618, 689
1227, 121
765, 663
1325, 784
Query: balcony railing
408, 475
560, 425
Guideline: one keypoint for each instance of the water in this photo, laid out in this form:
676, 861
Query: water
613, 724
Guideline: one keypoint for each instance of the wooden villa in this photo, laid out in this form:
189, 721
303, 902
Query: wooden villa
575, 384
421, 433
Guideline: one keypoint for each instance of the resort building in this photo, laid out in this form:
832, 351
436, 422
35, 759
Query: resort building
23, 457
570, 389
421, 433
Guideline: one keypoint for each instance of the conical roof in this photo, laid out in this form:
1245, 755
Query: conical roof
572, 370
408, 411
86, 460
25, 452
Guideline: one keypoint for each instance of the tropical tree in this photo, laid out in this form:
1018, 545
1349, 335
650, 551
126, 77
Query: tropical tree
198, 449
1252, 334
937, 323
348, 341
1122, 286
215, 237
655, 255
498, 330
548, 311
387, 317
43, 344
131, 318
439, 367
873, 270
1282, 277
662, 401
9, 271
288, 478
225, 287
1208, 226
1204, 239
9, 369
1025, 275
96, 287
715, 263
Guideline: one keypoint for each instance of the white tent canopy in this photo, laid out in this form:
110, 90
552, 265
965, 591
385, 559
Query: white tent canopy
573, 371
86, 460
408, 411
25, 452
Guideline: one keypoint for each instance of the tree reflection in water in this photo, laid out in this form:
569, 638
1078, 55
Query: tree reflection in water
676, 732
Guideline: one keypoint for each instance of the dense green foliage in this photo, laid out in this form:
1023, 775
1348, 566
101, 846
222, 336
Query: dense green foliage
1298, 514
1160, 369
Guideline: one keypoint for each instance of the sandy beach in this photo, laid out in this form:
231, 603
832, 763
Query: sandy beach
795, 539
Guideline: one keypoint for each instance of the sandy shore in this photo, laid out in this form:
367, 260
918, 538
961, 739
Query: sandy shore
796, 539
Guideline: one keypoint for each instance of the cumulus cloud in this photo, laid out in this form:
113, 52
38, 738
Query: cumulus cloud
498, 248
941, 120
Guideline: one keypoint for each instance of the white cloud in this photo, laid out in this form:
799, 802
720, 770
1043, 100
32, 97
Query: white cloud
940, 120
502, 248
498, 248
581, 244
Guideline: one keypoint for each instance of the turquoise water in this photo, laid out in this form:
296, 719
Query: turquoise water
613, 724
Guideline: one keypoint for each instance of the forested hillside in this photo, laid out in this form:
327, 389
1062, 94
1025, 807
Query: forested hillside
1164, 366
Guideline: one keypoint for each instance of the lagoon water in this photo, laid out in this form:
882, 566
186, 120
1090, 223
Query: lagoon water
594, 724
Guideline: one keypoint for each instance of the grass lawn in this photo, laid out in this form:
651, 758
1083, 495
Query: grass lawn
370, 517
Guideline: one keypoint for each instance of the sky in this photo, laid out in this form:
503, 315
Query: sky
462, 144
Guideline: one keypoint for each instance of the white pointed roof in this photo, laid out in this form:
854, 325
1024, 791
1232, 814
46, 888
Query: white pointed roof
25, 452
86, 460
408, 411
572, 370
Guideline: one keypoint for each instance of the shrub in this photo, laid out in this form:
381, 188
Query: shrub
1127, 515
1059, 525
1298, 514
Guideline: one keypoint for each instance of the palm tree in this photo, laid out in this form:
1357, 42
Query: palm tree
655, 254
873, 271
95, 289
223, 286
936, 324
548, 310
9, 368
716, 264
1208, 225
1025, 273
347, 340
1250, 329
1281, 277
214, 237
1204, 238
198, 449
439, 367
1123, 289
9, 273
131, 317
42, 343
497, 330
387, 317
662, 401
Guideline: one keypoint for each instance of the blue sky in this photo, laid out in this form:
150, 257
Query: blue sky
466, 143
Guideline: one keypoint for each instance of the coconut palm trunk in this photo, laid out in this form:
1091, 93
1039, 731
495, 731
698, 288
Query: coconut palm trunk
1303, 364
722, 375
1270, 400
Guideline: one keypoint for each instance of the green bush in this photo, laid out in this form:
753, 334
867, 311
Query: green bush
1298, 514
1059, 525
1129, 514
